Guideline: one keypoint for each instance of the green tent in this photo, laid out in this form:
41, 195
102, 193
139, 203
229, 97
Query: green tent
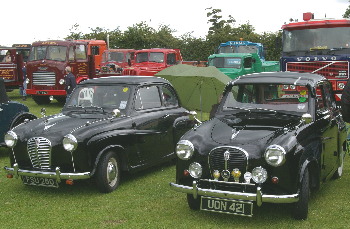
198, 87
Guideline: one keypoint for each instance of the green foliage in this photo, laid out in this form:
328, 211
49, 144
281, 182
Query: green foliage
142, 36
347, 12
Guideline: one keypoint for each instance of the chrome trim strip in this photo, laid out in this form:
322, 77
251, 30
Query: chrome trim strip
58, 175
259, 197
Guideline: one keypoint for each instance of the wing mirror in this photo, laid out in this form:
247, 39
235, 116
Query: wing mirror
192, 115
307, 118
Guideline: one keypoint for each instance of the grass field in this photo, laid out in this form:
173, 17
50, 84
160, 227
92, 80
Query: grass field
144, 200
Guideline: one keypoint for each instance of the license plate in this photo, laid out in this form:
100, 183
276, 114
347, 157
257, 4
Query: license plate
41, 92
228, 206
39, 181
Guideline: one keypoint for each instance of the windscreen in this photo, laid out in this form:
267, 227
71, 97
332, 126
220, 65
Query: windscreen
225, 62
276, 97
316, 39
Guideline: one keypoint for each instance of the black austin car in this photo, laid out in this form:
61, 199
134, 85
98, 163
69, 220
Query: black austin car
274, 137
109, 125
12, 113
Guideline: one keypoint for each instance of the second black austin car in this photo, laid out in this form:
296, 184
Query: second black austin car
109, 125
275, 137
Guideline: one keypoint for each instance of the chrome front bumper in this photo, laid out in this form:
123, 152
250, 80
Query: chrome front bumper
257, 197
57, 175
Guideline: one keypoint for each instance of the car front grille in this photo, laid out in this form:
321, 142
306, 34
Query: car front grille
39, 150
44, 78
236, 158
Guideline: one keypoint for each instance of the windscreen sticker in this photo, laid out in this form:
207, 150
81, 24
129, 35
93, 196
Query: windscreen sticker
301, 106
125, 89
123, 104
302, 99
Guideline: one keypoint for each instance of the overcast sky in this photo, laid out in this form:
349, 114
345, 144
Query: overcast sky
26, 21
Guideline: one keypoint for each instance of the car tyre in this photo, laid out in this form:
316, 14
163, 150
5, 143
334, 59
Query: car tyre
193, 203
108, 173
301, 207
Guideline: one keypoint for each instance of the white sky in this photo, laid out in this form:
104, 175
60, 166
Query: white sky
26, 21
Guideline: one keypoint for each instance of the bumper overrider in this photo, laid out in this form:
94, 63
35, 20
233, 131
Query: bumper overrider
259, 197
57, 174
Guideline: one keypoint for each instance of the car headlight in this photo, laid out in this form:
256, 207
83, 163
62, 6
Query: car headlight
70, 143
275, 155
11, 139
184, 149
195, 170
259, 175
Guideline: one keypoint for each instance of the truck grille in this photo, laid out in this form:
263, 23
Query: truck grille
237, 159
39, 150
44, 78
329, 69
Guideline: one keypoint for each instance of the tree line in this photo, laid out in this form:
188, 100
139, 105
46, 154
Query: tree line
142, 36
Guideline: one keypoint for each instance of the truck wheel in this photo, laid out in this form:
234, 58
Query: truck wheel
61, 100
339, 172
108, 173
193, 203
41, 100
301, 207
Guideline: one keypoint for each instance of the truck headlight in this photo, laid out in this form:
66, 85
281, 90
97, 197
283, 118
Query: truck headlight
259, 175
275, 155
195, 170
11, 139
61, 81
184, 149
70, 143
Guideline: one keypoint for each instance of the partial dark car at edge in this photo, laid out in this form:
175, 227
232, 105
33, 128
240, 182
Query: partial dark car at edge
274, 137
12, 113
109, 125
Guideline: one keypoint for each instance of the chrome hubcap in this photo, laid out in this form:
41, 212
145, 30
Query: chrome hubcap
112, 172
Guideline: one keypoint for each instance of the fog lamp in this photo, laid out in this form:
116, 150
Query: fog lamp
195, 170
216, 174
259, 175
236, 174
247, 177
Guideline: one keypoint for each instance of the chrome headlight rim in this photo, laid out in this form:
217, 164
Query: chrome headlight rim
195, 169
275, 155
70, 142
10, 139
184, 149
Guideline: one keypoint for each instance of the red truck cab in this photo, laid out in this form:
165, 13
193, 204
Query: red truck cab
115, 60
151, 61
47, 63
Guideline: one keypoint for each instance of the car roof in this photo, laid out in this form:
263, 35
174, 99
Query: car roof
135, 80
296, 78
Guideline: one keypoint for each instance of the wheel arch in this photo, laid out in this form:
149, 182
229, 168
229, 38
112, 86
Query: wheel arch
314, 173
20, 118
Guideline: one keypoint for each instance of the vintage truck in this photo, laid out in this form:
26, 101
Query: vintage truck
238, 64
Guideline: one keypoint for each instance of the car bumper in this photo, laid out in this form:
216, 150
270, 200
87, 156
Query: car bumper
259, 197
57, 175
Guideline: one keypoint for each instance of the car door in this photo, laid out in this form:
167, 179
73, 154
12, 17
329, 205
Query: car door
329, 129
150, 124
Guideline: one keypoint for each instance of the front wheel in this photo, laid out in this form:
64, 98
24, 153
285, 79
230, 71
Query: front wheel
108, 173
301, 208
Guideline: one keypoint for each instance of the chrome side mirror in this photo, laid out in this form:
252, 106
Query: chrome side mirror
192, 115
307, 118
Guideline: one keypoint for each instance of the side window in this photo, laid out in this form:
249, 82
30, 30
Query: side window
321, 104
71, 54
171, 59
147, 97
95, 50
80, 52
169, 96
248, 62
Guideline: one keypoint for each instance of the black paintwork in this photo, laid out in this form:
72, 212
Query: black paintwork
141, 138
317, 145
11, 112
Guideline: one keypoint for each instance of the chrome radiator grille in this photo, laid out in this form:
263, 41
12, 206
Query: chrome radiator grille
39, 150
228, 158
44, 78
